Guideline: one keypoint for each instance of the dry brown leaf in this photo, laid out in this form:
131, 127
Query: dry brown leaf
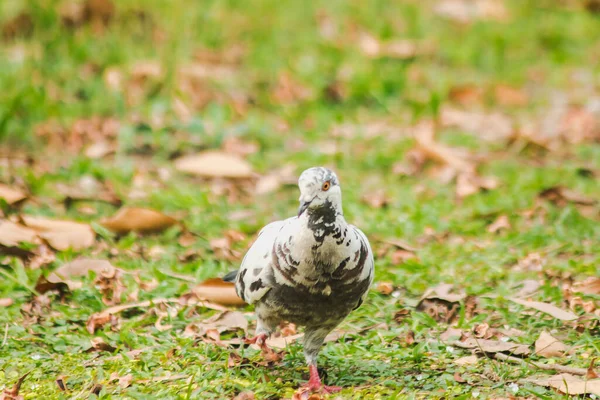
465, 11
11, 195
590, 285
141, 220
546, 308
561, 196
495, 346
12, 234
569, 384
98, 344
214, 164
401, 49
60, 234
61, 383
61, 280
376, 198
13, 393
466, 95
527, 288
289, 91
246, 395
222, 247
218, 291
510, 96
226, 321
20, 25
235, 145
548, 346
97, 320
500, 223
494, 126
440, 303
468, 360
468, 184
385, 288
6, 302
424, 136
275, 179
401, 315
591, 373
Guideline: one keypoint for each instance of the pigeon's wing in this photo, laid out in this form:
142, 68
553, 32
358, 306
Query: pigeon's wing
251, 283
368, 271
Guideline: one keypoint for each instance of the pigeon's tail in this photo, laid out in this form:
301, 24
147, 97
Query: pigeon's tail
230, 277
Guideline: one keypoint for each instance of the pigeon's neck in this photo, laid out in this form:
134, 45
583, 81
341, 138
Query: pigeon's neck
325, 216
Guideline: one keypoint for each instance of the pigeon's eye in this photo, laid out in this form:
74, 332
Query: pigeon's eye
326, 186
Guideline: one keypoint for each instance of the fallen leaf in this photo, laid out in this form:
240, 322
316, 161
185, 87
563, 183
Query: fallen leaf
141, 220
376, 199
97, 320
61, 235
465, 11
125, 381
12, 234
468, 360
500, 223
590, 285
569, 384
60, 382
13, 394
20, 25
401, 49
528, 287
214, 164
510, 96
226, 321
61, 280
246, 395
591, 374
218, 291
11, 195
458, 378
401, 315
468, 184
495, 346
548, 346
98, 344
235, 145
96, 389
6, 302
493, 126
561, 196
289, 91
440, 303
424, 136
385, 288
466, 95
546, 308
275, 179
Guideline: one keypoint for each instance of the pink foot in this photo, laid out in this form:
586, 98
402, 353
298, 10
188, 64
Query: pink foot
315, 385
261, 341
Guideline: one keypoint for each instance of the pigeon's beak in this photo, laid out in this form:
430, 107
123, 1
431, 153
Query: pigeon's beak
303, 206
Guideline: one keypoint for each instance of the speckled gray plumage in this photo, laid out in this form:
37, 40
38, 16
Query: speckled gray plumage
312, 270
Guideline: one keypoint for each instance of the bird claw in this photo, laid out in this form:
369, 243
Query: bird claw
315, 385
261, 341
320, 388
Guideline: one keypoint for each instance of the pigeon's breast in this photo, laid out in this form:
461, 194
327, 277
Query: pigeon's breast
301, 305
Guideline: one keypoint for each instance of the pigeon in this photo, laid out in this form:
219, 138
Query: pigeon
312, 269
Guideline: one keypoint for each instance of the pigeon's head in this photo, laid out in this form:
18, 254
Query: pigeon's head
319, 188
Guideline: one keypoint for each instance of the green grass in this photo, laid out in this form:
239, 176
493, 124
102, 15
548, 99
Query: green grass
59, 77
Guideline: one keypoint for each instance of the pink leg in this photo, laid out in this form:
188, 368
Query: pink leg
260, 340
315, 384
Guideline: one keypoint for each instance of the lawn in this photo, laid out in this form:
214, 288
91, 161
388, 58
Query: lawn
466, 136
